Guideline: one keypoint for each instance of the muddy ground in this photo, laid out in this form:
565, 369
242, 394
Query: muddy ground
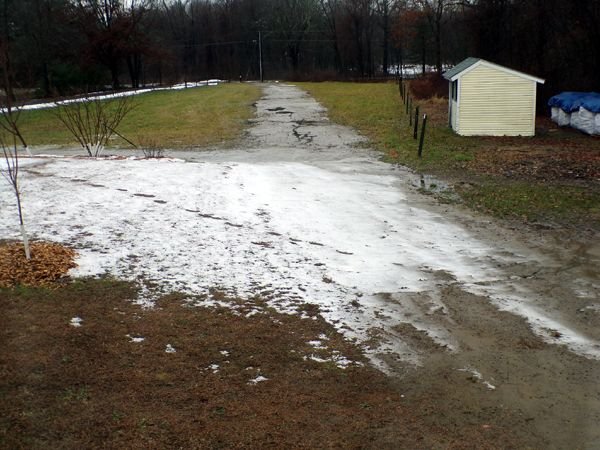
515, 345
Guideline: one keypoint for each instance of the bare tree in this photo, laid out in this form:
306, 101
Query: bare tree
9, 122
330, 10
10, 172
92, 121
436, 12
294, 19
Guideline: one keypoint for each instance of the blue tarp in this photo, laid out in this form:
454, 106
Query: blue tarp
572, 101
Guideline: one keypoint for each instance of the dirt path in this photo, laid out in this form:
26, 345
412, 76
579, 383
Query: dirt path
489, 325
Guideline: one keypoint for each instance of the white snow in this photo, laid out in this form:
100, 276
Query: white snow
76, 321
316, 344
170, 349
135, 339
336, 358
258, 379
130, 93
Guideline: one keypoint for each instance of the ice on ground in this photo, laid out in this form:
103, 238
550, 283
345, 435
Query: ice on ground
135, 339
170, 349
76, 322
258, 379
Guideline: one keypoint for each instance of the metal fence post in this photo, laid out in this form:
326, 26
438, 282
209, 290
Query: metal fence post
422, 135
416, 129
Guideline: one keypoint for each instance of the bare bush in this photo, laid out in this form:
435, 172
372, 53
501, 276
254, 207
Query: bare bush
150, 147
93, 121
10, 171
429, 86
153, 152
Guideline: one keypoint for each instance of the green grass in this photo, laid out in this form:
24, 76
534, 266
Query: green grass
376, 111
195, 117
535, 201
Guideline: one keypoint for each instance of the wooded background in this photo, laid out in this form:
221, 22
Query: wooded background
59, 47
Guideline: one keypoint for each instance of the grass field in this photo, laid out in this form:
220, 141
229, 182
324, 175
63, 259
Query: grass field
552, 177
194, 117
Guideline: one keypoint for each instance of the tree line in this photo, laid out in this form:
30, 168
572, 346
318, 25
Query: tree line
59, 47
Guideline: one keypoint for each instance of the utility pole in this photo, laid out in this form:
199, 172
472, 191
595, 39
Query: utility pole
260, 59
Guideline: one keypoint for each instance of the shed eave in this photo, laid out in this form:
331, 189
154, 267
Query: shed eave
497, 67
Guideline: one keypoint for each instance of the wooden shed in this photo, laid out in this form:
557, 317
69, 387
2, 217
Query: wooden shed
487, 99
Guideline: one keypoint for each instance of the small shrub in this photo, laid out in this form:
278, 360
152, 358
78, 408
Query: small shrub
150, 148
428, 86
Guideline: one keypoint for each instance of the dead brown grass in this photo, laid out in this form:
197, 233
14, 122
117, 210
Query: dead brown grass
91, 387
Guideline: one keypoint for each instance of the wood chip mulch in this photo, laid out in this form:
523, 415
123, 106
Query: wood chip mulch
48, 265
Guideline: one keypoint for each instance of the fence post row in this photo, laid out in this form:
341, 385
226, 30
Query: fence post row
409, 104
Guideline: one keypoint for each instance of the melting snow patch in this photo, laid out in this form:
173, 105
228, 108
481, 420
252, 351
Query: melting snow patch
137, 340
214, 367
316, 358
170, 349
475, 375
76, 321
257, 380
338, 359
595, 308
120, 94
316, 344
224, 352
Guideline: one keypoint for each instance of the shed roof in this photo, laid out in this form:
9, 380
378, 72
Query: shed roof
470, 63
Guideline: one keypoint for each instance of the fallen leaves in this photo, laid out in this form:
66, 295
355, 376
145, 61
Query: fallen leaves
49, 263
530, 162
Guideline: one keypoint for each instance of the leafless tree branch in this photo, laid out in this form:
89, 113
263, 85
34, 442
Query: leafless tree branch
92, 122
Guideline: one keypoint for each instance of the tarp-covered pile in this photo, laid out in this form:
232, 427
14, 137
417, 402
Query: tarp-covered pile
580, 110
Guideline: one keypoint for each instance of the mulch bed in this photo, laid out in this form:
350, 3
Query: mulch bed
48, 266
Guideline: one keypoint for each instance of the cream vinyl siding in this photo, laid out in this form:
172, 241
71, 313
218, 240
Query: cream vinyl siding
495, 103
454, 115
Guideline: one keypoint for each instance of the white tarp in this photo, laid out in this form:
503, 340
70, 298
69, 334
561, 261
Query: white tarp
585, 121
563, 118
580, 110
